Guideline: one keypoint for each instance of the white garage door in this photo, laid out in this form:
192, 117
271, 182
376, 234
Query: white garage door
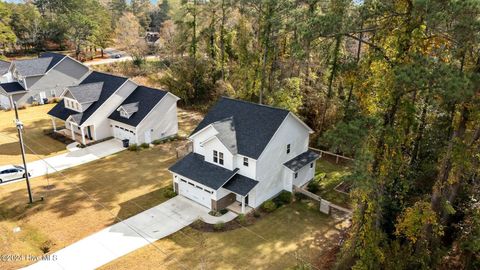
4, 102
195, 193
123, 133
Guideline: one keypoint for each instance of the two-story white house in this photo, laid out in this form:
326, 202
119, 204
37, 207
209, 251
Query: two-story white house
105, 105
244, 152
36, 80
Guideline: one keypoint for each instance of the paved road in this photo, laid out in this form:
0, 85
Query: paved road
72, 159
113, 60
127, 236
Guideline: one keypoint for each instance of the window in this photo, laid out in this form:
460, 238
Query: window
183, 180
245, 161
288, 149
220, 158
311, 165
295, 175
215, 156
191, 184
199, 187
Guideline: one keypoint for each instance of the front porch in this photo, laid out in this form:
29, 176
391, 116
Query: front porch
239, 208
74, 132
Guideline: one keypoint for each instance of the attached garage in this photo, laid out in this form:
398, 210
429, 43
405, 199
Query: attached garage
123, 133
195, 192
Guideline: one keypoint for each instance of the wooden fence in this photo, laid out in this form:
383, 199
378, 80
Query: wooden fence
336, 156
323, 203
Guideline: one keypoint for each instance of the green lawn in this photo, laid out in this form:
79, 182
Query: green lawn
328, 175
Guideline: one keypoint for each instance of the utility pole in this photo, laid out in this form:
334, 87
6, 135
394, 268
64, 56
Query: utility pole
19, 125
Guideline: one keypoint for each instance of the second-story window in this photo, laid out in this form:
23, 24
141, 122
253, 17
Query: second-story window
220, 158
215, 156
245, 161
288, 149
296, 175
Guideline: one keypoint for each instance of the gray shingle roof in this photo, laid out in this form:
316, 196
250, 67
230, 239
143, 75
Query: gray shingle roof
12, 87
301, 160
146, 97
86, 93
254, 124
4, 66
130, 108
240, 184
226, 134
111, 83
194, 167
32, 67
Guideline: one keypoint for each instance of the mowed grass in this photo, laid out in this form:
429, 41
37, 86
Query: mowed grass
85, 199
281, 240
35, 120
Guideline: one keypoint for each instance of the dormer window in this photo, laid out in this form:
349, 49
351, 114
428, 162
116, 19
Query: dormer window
127, 110
124, 114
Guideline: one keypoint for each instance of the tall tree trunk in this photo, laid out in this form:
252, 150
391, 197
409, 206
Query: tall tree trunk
222, 38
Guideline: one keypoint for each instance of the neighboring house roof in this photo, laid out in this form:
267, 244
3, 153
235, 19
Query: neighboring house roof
254, 124
32, 67
240, 184
12, 87
146, 99
38, 66
4, 66
194, 167
111, 83
226, 134
86, 93
298, 162
56, 58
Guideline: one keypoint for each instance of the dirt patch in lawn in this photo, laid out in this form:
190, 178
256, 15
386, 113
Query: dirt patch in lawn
35, 120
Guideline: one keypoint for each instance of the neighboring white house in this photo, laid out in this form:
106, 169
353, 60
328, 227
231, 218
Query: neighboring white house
244, 152
104, 106
35, 80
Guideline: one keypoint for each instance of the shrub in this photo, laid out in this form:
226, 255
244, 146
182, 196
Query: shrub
133, 147
285, 197
242, 219
269, 206
157, 142
219, 226
145, 145
256, 214
169, 193
23, 107
313, 186
223, 211
46, 246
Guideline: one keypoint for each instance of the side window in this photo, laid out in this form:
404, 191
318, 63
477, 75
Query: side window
295, 175
220, 158
311, 165
215, 156
245, 161
288, 148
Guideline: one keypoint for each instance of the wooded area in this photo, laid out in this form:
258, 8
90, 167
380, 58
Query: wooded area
392, 83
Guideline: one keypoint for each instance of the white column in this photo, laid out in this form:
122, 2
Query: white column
53, 123
243, 204
83, 135
71, 130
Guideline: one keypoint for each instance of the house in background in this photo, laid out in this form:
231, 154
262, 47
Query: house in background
244, 153
104, 106
39, 79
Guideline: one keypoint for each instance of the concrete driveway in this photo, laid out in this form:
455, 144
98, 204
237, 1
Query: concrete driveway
125, 237
71, 159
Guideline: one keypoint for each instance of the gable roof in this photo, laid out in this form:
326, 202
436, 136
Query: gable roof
240, 184
130, 108
226, 134
12, 87
194, 167
4, 66
146, 97
86, 93
55, 58
254, 124
111, 83
38, 66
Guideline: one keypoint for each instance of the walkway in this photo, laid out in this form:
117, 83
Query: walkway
127, 236
71, 159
